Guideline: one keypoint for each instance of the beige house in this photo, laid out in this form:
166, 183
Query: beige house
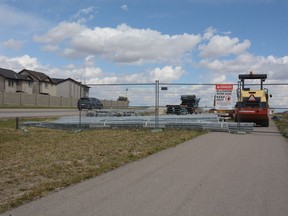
42, 84
10, 81
70, 88
34, 82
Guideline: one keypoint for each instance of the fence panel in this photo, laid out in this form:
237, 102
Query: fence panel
279, 96
24, 99
28, 99
54, 101
144, 95
42, 100
11, 98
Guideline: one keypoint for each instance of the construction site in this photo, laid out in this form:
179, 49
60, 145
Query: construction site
235, 110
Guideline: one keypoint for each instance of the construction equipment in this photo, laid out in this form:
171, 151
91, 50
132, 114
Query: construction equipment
189, 105
252, 105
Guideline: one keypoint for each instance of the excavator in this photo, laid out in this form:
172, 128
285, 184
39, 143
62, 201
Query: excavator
252, 105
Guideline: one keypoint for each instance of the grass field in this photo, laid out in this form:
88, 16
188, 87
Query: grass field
38, 161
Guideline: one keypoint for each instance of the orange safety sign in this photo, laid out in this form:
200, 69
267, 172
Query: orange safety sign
224, 86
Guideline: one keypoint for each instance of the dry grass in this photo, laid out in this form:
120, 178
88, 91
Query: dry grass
39, 161
282, 123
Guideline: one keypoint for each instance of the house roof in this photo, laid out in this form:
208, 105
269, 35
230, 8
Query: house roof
41, 77
59, 80
10, 74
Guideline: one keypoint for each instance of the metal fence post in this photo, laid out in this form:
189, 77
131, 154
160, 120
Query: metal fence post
238, 104
80, 104
157, 104
17, 123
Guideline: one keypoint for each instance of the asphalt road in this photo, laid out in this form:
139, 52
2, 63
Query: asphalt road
217, 174
13, 113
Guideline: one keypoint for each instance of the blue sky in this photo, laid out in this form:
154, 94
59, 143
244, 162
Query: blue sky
124, 41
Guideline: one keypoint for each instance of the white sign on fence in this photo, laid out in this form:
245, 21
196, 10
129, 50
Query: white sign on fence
223, 98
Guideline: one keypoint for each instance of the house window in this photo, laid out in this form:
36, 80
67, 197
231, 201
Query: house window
46, 85
30, 84
10, 83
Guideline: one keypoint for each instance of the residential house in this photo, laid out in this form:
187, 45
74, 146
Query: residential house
10, 81
42, 84
70, 88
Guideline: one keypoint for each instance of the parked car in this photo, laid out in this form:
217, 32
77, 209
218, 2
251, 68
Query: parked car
89, 103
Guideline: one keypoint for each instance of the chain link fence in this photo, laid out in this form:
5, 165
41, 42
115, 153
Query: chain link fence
150, 95
147, 101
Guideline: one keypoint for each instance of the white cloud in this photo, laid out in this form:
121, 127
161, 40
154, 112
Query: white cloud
122, 44
124, 7
51, 48
64, 31
218, 78
276, 68
84, 15
103, 80
72, 53
19, 63
166, 74
209, 32
13, 44
85, 72
89, 60
223, 46
89, 72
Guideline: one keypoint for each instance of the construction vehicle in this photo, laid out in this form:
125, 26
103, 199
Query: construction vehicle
252, 105
189, 105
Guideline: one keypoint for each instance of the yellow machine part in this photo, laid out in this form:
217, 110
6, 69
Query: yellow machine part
225, 112
254, 93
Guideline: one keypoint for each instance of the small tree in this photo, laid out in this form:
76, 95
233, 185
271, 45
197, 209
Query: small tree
122, 98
